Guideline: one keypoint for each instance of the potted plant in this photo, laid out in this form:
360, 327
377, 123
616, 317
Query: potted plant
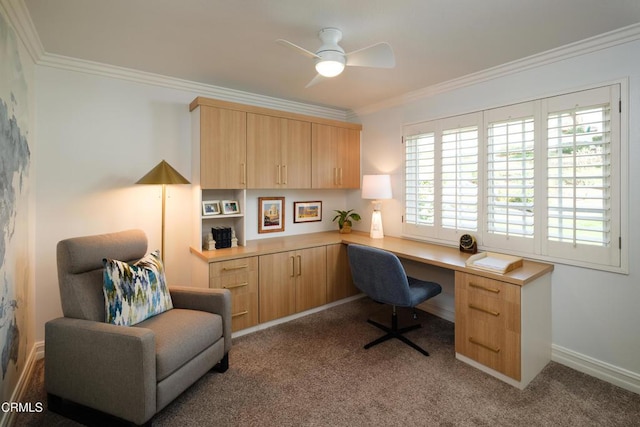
344, 220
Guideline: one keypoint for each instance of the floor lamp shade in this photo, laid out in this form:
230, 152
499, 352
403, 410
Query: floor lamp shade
376, 187
163, 174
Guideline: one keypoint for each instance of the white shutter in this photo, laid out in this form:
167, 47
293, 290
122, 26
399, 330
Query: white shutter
419, 193
510, 178
581, 211
459, 178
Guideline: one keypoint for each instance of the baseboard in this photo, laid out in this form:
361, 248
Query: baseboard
596, 368
36, 353
286, 319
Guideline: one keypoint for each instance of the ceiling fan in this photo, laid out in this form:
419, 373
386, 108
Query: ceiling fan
331, 58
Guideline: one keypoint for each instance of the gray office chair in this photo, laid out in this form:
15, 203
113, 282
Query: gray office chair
381, 276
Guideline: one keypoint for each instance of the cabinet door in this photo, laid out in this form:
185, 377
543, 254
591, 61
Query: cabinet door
278, 152
264, 169
335, 157
349, 158
296, 154
311, 278
223, 148
277, 286
339, 281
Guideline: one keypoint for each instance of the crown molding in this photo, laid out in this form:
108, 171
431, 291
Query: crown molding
583, 47
18, 15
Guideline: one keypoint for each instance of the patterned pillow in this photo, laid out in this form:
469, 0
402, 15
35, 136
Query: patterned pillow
133, 293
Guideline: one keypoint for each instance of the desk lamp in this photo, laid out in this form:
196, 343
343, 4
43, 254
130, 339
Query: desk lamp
376, 187
163, 174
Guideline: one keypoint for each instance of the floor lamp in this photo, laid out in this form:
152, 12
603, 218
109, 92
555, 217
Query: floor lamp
376, 187
163, 174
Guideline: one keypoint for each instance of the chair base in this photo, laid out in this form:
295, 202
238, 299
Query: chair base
394, 332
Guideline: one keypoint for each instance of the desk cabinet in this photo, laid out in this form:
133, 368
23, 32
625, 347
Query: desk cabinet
503, 326
240, 276
291, 282
339, 281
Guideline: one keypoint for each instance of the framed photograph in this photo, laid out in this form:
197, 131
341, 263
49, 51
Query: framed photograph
230, 207
211, 207
307, 211
270, 214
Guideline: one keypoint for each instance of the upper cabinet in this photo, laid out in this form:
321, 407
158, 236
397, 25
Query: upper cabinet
335, 153
240, 146
278, 152
223, 148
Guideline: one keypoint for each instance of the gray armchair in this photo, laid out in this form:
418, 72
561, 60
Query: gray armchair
127, 372
381, 276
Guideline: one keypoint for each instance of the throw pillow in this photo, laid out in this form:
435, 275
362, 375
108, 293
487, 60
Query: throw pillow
133, 293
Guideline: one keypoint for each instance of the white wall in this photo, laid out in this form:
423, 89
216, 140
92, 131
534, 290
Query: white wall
595, 314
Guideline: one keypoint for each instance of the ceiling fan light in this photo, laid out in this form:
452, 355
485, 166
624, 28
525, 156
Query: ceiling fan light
329, 68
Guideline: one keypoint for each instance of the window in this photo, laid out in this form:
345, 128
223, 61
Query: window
540, 179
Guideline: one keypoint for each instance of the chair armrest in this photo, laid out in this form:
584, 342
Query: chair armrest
212, 300
107, 367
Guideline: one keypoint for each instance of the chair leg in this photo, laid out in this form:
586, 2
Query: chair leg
394, 332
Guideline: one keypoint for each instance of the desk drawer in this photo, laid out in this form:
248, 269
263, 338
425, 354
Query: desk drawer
240, 276
488, 322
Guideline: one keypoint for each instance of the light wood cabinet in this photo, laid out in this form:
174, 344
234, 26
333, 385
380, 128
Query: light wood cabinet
339, 281
278, 152
335, 156
290, 282
240, 276
223, 148
488, 322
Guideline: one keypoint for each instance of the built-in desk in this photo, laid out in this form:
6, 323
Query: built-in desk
502, 321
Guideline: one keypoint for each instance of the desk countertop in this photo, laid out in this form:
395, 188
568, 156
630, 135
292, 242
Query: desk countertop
428, 253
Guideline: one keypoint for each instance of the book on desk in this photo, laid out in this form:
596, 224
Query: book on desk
494, 262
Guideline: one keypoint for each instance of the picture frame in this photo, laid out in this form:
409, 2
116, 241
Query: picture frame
211, 207
230, 207
307, 211
270, 214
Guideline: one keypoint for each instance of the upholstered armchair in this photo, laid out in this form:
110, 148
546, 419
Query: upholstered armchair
127, 372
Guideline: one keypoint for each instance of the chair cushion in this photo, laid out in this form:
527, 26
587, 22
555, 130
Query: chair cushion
133, 293
174, 347
422, 290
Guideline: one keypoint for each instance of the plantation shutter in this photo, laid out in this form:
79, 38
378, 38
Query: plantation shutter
419, 191
510, 177
582, 176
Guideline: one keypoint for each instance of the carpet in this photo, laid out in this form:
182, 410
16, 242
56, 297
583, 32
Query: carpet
313, 371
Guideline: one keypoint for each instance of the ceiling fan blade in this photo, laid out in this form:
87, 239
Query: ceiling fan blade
297, 48
379, 55
317, 79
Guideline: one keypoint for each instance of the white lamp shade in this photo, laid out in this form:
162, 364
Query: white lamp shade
376, 187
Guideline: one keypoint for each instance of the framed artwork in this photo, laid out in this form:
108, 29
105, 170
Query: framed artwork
211, 207
270, 214
230, 207
307, 211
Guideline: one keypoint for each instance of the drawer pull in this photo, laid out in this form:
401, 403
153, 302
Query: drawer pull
484, 288
237, 285
239, 267
488, 347
484, 310
242, 313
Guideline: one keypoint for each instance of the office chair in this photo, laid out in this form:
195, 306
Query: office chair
381, 276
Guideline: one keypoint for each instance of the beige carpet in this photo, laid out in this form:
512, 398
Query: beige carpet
314, 372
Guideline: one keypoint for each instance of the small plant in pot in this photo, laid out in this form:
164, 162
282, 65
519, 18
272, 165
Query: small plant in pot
345, 219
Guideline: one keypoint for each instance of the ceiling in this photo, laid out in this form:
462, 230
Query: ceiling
231, 43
